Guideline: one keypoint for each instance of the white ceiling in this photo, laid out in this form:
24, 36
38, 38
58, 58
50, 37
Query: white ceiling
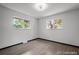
53, 8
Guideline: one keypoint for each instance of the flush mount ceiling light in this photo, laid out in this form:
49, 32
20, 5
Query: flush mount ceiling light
40, 6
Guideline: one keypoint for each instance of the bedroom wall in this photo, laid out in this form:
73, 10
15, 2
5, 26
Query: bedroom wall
70, 32
9, 35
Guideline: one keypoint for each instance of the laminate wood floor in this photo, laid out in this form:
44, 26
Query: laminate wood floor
40, 47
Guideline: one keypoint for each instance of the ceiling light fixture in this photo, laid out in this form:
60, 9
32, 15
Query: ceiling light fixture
40, 6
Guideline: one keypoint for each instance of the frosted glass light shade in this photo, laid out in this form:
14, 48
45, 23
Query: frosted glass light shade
40, 6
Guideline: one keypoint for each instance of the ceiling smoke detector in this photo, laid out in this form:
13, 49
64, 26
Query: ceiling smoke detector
40, 6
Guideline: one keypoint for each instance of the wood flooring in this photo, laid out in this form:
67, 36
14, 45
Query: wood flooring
40, 47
